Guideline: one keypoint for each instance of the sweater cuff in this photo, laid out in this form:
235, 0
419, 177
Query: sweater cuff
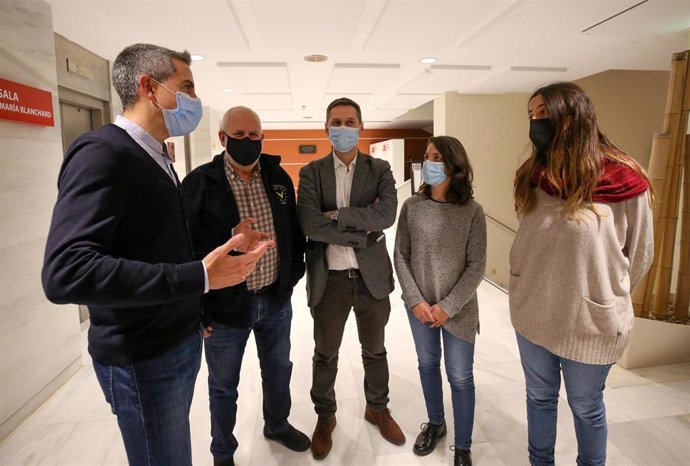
191, 277
447, 306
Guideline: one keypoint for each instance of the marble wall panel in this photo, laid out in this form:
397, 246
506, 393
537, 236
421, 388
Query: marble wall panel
39, 341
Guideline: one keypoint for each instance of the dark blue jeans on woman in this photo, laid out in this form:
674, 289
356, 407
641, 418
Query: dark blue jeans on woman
584, 385
151, 400
458, 358
224, 351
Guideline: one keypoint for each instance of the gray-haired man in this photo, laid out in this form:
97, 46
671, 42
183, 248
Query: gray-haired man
119, 243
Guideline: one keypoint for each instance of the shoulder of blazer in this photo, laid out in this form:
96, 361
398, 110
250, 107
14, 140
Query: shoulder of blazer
317, 164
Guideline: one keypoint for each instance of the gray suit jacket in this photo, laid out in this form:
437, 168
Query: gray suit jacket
373, 204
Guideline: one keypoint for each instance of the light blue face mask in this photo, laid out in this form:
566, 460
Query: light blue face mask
185, 117
343, 138
433, 173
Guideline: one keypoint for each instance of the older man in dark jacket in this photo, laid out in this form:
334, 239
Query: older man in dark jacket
240, 189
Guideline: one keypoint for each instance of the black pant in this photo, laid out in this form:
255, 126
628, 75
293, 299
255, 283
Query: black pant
341, 295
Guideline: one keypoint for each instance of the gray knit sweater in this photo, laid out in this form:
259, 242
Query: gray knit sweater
440, 256
570, 281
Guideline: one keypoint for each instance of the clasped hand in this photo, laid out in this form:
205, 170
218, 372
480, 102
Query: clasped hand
426, 314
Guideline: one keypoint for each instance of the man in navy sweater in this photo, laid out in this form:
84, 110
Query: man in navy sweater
119, 243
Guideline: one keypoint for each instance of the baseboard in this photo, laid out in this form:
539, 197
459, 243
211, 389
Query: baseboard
20, 415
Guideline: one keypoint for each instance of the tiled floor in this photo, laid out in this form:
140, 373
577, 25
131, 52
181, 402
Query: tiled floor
648, 409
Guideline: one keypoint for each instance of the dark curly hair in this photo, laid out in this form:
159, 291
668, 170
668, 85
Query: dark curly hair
458, 167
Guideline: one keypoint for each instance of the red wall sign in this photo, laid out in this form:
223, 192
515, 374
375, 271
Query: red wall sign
25, 104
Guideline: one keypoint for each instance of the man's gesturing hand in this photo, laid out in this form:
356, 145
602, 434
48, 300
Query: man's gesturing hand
250, 236
225, 270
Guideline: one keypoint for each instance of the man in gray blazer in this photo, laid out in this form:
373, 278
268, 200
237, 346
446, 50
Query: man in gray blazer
345, 201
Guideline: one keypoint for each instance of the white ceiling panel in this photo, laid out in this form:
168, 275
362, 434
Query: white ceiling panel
308, 26
425, 27
363, 100
381, 115
111, 25
268, 101
655, 17
522, 31
374, 46
265, 77
518, 81
359, 78
443, 78
407, 101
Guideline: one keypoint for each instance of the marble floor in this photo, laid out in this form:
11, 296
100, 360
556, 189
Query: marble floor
648, 409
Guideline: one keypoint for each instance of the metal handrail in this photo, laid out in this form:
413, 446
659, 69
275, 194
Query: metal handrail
495, 220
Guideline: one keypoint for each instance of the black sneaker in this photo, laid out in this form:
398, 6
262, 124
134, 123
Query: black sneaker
428, 438
291, 438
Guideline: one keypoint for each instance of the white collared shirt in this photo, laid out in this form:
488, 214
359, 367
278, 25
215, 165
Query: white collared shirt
342, 257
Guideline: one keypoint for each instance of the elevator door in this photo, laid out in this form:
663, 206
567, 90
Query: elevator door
75, 122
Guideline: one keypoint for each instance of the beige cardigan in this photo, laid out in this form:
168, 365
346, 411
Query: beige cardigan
570, 281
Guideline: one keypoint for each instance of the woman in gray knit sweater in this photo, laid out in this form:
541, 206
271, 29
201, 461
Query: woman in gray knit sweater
584, 241
440, 255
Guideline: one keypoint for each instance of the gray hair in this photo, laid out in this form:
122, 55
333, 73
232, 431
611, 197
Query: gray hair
139, 59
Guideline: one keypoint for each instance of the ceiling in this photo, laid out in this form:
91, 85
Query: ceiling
257, 48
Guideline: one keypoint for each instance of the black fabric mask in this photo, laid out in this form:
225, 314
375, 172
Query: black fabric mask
541, 133
244, 151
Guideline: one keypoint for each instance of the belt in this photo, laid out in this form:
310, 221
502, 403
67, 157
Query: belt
349, 273
265, 289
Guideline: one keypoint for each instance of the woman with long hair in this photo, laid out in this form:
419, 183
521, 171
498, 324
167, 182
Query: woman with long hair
440, 255
585, 240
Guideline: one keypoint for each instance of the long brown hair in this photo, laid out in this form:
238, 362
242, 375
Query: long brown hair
574, 158
459, 170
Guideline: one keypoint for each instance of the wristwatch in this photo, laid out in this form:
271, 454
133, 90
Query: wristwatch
334, 216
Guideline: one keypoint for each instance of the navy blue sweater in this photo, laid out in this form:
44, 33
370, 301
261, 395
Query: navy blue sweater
119, 243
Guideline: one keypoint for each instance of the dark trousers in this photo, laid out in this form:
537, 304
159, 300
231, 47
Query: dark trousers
341, 295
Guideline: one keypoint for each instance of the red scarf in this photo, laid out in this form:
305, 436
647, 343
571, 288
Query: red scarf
618, 183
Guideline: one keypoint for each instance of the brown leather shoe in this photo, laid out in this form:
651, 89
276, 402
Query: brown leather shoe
321, 441
390, 430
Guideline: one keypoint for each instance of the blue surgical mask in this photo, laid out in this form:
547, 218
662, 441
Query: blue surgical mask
433, 173
343, 138
185, 117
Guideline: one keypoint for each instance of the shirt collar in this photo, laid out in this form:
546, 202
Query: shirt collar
339, 163
140, 134
231, 169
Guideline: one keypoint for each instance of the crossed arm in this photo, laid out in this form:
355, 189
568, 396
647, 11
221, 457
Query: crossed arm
355, 224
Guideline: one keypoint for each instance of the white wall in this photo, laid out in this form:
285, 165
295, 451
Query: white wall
200, 139
494, 131
39, 341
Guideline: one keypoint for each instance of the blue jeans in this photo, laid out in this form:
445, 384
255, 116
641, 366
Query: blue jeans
458, 357
584, 385
224, 351
151, 400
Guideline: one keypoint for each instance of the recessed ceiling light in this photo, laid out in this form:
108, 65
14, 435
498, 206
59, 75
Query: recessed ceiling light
196, 57
227, 89
315, 58
428, 60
